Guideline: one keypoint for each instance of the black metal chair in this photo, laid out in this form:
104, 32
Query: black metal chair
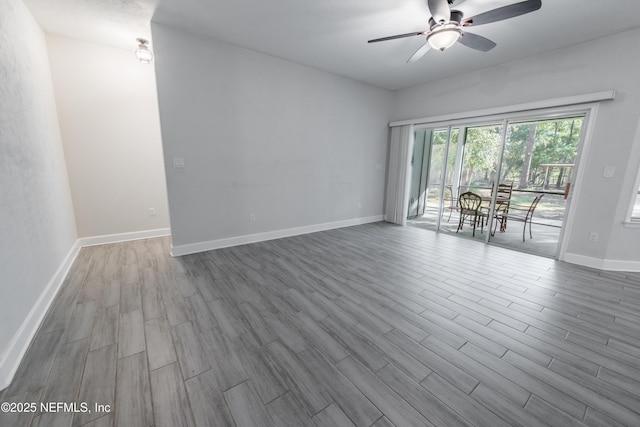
517, 214
469, 205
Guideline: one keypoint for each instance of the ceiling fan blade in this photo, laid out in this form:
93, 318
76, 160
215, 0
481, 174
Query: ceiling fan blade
505, 12
399, 36
439, 10
419, 53
476, 42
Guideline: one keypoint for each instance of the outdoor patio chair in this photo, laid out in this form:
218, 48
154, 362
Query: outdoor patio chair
469, 205
505, 190
502, 202
517, 214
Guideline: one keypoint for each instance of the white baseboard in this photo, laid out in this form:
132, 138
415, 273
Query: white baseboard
123, 237
602, 264
191, 248
17, 347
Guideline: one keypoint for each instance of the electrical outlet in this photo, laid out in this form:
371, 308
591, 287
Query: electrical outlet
252, 217
152, 211
178, 162
608, 171
593, 236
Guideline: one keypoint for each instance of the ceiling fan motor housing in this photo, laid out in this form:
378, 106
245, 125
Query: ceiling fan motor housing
456, 18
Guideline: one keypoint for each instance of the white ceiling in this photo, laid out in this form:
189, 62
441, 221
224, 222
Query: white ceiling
332, 34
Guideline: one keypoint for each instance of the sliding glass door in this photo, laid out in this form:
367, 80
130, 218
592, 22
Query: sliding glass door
515, 175
428, 171
539, 160
475, 165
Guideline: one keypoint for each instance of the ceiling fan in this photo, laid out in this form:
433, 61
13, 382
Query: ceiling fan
446, 26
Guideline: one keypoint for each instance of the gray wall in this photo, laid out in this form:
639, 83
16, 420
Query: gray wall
261, 136
37, 226
608, 63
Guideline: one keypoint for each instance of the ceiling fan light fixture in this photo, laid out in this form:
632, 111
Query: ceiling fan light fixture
143, 53
447, 26
444, 38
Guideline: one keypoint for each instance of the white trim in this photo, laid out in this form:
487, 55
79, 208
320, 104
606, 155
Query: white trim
603, 264
191, 248
123, 237
606, 95
577, 179
633, 171
17, 347
584, 260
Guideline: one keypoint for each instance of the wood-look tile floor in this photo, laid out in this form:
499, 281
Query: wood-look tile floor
374, 325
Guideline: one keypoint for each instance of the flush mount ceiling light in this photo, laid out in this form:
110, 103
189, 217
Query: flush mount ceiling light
143, 53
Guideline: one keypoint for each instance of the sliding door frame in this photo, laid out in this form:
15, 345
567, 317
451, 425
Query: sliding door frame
587, 111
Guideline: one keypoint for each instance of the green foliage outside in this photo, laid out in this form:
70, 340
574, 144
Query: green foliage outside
528, 146
480, 156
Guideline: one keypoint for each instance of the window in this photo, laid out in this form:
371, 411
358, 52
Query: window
635, 213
